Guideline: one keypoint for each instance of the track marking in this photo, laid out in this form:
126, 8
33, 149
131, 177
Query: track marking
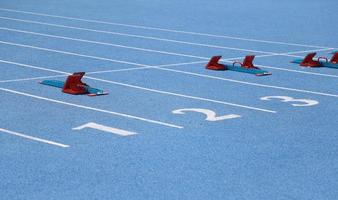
150, 50
167, 93
305, 102
198, 75
132, 35
188, 43
142, 68
141, 36
90, 108
144, 37
162, 29
108, 129
31, 79
87, 73
34, 138
100, 43
73, 54
210, 115
150, 66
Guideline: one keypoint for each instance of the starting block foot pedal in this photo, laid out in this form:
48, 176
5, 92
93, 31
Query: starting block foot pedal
74, 85
214, 65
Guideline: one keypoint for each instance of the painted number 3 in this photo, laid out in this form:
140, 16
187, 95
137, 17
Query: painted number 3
211, 115
301, 102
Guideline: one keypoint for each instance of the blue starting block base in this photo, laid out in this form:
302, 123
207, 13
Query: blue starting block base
322, 63
60, 84
257, 72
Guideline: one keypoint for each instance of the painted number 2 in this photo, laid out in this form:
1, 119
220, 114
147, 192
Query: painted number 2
211, 115
301, 102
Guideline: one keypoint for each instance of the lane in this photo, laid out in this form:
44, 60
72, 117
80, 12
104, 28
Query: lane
90, 50
231, 80
165, 40
290, 54
167, 52
129, 40
160, 29
136, 38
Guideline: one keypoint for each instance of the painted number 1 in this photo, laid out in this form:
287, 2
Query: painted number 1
210, 115
107, 129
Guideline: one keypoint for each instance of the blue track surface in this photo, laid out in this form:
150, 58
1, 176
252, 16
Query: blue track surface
272, 137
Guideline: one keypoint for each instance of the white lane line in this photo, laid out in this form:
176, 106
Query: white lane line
73, 54
107, 129
30, 79
35, 67
146, 37
170, 53
153, 38
90, 108
176, 41
142, 68
162, 29
150, 66
34, 138
166, 92
149, 50
100, 43
87, 73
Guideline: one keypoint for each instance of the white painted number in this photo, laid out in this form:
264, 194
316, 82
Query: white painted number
108, 129
211, 115
302, 102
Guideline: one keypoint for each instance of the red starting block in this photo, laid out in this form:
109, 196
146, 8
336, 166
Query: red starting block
246, 66
247, 62
311, 61
214, 65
